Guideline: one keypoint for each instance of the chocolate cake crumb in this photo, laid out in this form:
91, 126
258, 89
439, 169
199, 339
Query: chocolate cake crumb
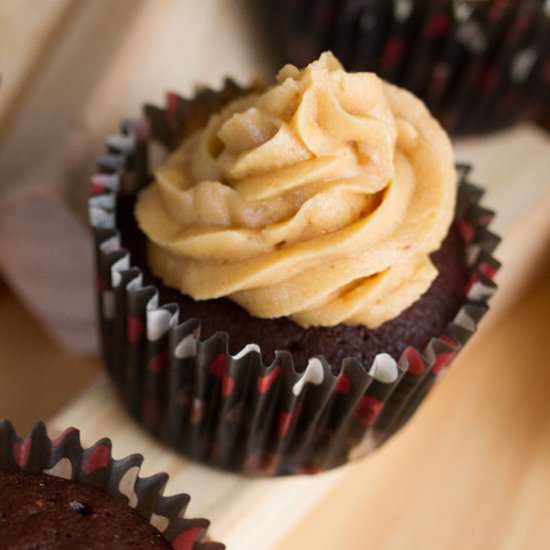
43, 512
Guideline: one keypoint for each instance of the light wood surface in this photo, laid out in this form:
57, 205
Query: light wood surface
36, 378
26, 35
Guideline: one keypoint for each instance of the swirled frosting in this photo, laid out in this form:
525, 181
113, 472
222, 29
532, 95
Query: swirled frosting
320, 199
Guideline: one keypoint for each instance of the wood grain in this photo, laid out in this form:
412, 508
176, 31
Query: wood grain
41, 128
27, 30
36, 378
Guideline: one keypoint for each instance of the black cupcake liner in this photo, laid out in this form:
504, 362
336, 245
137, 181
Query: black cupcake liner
473, 62
235, 411
65, 457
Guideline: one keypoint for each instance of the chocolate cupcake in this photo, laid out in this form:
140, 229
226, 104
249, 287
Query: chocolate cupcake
55, 495
478, 65
290, 283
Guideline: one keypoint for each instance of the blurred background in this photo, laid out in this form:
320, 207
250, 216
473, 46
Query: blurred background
72, 69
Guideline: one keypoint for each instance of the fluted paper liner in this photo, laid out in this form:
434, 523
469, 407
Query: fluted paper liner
235, 411
65, 457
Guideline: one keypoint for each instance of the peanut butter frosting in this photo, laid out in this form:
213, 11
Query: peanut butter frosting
320, 199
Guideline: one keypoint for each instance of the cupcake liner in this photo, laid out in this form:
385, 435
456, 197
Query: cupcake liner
65, 457
464, 58
522, 34
405, 19
476, 73
235, 411
523, 76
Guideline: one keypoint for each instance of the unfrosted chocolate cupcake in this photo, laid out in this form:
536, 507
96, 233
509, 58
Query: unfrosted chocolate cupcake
55, 495
299, 270
47, 512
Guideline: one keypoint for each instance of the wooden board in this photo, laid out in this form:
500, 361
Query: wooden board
27, 29
472, 471
26, 353
429, 464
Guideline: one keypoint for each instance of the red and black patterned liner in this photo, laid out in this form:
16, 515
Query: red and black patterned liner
65, 457
236, 412
479, 65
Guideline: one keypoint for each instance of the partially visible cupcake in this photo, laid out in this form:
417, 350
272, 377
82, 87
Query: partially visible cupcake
478, 65
56, 495
301, 268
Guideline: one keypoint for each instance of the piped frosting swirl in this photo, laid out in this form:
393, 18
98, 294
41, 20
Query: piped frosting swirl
320, 199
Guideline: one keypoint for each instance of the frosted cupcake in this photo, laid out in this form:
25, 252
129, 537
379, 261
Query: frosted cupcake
312, 223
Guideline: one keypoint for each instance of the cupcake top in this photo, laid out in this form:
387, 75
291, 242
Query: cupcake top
319, 199
47, 512
56, 494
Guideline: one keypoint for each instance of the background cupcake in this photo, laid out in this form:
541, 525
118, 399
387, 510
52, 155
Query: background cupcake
57, 494
245, 401
479, 66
